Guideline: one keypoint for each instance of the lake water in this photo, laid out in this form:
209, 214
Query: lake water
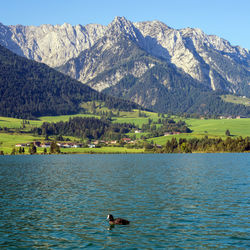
173, 201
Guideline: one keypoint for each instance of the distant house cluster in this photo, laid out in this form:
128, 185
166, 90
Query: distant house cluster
47, 144
70, 145
22, 145
93, 144
230, 117
171, 133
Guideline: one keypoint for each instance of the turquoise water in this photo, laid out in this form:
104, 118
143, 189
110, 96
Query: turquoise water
173, 201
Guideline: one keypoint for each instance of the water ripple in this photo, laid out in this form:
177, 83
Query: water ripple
173, 201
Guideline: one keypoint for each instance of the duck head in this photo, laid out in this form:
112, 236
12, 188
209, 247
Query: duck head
110, 217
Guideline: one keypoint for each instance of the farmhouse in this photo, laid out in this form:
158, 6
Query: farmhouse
138, 131
126, 140
168, 133
240, 117
21, 145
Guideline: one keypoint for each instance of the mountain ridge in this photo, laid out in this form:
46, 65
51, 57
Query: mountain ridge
103, 56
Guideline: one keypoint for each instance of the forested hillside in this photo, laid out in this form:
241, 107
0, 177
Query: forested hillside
89, 127
29, 89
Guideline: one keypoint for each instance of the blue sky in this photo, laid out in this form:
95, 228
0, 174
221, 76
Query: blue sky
229, 19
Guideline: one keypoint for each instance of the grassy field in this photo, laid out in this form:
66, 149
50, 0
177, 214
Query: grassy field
236, 99
8, 141
163, 139
129, 117
17, 123
110, 150
63, 118
133, 117
211, 128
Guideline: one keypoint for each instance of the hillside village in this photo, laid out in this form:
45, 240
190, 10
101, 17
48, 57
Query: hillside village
93, 144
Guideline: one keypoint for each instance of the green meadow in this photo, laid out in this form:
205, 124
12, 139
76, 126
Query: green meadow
124, 117
217, 127
63, 118
17, 123
236, 99
207, 127
211, 128
102, 150
9, 140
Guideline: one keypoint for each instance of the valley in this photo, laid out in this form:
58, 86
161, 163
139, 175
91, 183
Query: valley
122, 88
124, 124
17, 131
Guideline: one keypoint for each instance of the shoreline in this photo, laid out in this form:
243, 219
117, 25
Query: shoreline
124, 153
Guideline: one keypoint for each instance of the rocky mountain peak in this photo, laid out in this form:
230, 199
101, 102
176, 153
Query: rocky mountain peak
121, 21
120, 26
152, 28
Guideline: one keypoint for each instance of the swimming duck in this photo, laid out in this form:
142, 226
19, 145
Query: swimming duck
117, 221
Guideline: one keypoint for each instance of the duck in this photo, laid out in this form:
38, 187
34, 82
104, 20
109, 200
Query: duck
117, 221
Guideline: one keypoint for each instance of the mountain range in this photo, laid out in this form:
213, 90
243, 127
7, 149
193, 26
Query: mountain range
150, 63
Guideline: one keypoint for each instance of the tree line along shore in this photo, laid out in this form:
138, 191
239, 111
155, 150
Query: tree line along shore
194, 145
